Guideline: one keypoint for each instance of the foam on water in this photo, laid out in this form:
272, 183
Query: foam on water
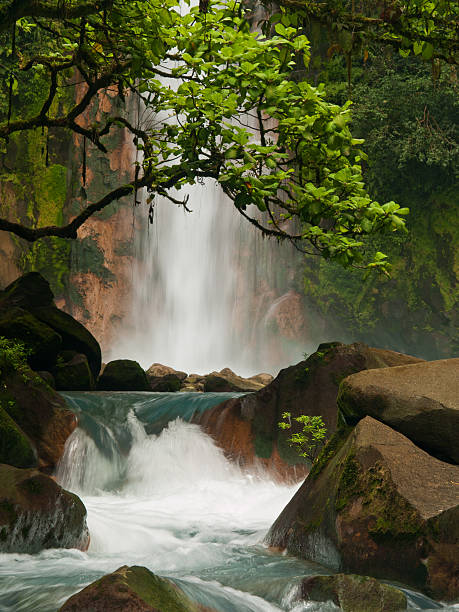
172, 503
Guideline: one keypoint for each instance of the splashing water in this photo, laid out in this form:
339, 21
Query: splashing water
172, 503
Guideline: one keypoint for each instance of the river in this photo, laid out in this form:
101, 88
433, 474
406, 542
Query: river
159, 493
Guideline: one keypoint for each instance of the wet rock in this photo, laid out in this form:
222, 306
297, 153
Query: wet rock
354, 593
131, 589
123, 375
36, 513
247, 427
38, 412
31, 294
165, 378
420, 400
42, 341
72, 372
376, 504
15, 447
227, 381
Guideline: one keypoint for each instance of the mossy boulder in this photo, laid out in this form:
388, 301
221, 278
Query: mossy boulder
419, 400
31, 293
43, 342
377, 505
38, 412
28, 290
36, 513
353, 593
247, 427
123, 375
131, 589
72, 372
15, 447
75, 337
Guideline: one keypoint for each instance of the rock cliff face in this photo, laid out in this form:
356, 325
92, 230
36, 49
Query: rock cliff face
91, 277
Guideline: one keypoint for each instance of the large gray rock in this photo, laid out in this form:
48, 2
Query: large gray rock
375, 504
247, 427
131, 589
353, 593
420, 400
36, 513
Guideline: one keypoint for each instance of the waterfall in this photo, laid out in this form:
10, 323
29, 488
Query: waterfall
204, 287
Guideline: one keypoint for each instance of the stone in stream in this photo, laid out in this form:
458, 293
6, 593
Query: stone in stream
247, 427
165, 378
226, 381
375, 504
31, 297
36, 513
123, 375
34, 419
419, 400
132, 589
353, 593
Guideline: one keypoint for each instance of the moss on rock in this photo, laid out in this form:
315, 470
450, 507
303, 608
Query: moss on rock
353, 593
15, 447
131, 588
44, 342
123, 375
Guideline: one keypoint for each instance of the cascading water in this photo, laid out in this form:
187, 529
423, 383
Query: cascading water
204, 287
170, 502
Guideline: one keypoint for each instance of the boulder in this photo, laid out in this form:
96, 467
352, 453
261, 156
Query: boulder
15, 447
42, 341
123, 375
131, 589
29, 290
247, 427
72, 372
36, 513
226, 381
419, 400
262, 378
31, 293
375, 504
193, 382
165, 378
75, 337
352, 593
38, 412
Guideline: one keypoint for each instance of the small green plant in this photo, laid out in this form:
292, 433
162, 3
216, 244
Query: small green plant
310, 440
13, 355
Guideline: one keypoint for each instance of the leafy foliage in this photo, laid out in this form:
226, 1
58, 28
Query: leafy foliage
13, 356
218, 102
309, 441
423, 28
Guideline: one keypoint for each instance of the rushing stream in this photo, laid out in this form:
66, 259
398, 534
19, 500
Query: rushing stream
169, 500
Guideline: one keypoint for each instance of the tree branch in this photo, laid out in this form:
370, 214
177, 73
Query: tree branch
49, 10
